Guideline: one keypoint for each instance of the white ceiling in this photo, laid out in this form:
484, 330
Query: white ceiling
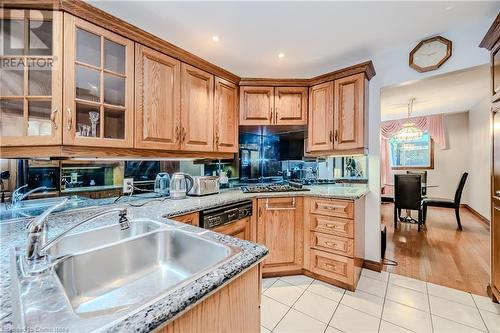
314, 36
447, 93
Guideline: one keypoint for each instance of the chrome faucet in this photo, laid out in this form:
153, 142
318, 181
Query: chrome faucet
18, 196
37, 234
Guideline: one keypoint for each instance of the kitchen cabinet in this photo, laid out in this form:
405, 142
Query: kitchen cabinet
334, 240
239, 229
226, 116
273, 106
190, 218
338, 120
349, 116
31, 78
280, 228
256, 105
290, 106
320, 125
232, 308
157, 100
98, 86
197, 109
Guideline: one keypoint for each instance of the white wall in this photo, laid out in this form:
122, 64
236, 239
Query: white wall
479, 182
452, 162
392, 68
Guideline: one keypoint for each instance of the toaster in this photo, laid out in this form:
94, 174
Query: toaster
204, 185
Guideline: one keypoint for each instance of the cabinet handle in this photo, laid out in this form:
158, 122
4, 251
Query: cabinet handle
292, 207
183, 134
276, 115
69, 123
217, 140
260, 211
272, 115
53, 118
331, 136
177, 133
336, 136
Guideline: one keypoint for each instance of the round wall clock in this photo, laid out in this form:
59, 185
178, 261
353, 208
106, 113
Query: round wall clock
430, 54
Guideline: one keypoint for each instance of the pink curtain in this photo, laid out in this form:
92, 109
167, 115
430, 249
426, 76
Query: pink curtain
433, 125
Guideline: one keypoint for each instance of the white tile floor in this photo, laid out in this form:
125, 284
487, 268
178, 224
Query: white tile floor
383, 302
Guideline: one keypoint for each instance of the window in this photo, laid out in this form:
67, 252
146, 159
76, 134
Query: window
415, 154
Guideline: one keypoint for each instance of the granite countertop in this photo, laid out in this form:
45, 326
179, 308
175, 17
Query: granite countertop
13, 234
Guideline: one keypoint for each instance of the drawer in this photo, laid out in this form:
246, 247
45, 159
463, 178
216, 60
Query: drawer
332, 225
332, 266
338, 208
333, 244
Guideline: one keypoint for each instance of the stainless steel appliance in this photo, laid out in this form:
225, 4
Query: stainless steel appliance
204, 185
179, 186
162, 183
226, 214
273, 188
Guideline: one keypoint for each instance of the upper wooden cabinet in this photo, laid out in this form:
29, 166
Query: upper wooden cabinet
349, 116
98, 86
226, 116
197, 109
256, 105
31, 78
337, 115
273, 106
290, 106
320, 127
157, 100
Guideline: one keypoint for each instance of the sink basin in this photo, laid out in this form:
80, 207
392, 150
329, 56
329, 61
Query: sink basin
83, 241
129, 273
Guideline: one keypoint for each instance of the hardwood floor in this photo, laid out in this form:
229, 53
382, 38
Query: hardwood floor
440, 253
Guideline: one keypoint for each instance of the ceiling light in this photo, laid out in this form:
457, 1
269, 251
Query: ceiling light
281, 55
410, 131
215, 38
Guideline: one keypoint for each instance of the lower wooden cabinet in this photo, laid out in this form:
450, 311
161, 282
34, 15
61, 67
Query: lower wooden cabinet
234, 308
280, 228
239, 229
191, 218
332, 266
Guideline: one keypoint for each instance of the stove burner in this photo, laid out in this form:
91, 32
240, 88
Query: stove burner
272, 188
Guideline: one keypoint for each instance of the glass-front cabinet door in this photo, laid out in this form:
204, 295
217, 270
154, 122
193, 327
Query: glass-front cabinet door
98, 86
30, 77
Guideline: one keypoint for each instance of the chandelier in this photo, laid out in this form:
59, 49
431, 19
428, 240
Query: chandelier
409, 132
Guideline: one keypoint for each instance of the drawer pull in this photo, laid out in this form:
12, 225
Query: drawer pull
330, 266
292, 207
330, 225
331, 244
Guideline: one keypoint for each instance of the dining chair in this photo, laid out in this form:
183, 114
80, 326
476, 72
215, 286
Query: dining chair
447, 203
408, 195
424, 179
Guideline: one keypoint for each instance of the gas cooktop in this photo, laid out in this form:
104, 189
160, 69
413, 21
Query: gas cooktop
272, 188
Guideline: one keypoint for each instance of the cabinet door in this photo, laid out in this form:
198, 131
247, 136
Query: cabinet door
191, 218
31, 78
349, 112
157, 100
226, 116
197, 109
320, 126
290, 106
280, 229
256, 105
239, 229
99, 86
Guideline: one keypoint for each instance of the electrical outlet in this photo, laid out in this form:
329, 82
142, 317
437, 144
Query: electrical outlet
128, 185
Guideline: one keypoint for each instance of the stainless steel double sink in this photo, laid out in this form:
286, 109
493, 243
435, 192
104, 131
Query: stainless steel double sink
106, 271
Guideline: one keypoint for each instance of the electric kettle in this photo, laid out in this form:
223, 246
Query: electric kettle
162, 183
179, 185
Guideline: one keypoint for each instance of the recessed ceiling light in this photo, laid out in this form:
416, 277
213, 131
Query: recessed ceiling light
281, 55
215, 38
